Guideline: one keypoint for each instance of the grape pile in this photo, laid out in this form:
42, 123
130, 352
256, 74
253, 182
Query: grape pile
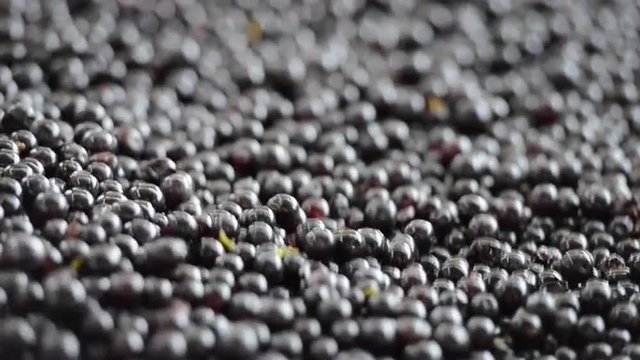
313, 179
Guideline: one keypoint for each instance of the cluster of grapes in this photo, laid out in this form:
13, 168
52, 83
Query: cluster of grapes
311, 179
